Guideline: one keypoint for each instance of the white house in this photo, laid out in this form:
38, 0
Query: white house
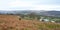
45, 20
53, 21
41, 19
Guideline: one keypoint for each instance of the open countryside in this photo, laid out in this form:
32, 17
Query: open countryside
14, 22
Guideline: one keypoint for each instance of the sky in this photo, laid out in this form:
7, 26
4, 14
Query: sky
30, 5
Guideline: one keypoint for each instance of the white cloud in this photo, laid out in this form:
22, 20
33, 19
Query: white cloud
20, 4
31, 5
28, 5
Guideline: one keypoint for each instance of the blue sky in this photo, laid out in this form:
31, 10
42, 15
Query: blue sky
29, 4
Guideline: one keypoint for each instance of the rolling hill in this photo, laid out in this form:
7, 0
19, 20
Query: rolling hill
40, 12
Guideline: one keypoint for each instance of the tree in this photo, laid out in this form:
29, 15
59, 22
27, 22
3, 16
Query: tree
32, 15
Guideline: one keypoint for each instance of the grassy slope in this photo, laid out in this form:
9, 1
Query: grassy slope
10, 22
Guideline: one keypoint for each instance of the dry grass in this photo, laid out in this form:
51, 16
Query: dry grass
12, 22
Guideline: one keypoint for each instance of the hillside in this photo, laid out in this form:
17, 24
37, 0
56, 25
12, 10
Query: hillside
12, 22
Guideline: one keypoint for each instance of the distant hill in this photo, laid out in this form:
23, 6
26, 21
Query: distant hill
51, 13
37, 12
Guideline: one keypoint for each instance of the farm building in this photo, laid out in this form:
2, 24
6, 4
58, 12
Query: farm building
46, 20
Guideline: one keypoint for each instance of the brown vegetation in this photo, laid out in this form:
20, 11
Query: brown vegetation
12, 22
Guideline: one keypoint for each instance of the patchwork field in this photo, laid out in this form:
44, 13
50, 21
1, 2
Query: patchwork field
12, 22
